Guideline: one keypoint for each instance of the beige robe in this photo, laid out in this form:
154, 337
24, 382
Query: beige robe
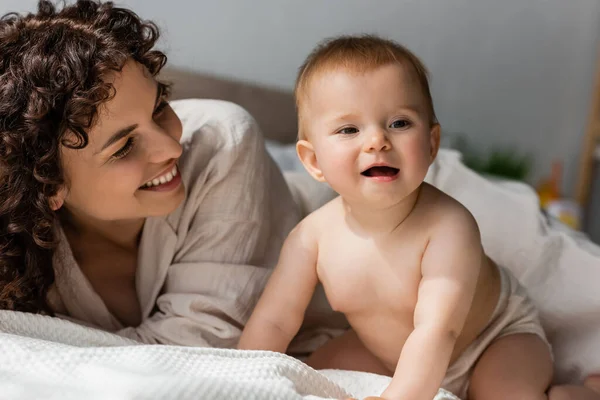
200, 269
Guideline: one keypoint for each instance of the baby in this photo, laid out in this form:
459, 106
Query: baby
402, 260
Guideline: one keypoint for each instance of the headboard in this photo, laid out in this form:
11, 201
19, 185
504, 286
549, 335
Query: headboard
273, 109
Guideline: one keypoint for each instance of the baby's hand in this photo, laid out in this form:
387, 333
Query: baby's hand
367, 398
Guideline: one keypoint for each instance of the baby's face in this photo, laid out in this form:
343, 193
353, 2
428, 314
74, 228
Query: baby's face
371, 133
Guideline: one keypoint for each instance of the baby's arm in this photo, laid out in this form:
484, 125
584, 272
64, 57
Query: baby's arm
450, 269
280, 310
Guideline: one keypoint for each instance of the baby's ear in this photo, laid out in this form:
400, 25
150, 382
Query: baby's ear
434, 141
308, 157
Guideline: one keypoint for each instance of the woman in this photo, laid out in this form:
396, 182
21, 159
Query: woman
119, 210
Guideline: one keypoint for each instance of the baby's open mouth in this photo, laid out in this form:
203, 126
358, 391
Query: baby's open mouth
382, 170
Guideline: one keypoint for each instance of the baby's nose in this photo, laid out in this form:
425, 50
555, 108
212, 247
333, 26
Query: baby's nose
377, 141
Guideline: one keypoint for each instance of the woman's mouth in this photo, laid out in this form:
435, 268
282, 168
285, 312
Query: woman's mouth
165, 182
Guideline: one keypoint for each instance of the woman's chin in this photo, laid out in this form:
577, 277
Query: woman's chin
161, 207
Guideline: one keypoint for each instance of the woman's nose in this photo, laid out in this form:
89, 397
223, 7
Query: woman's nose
163, 146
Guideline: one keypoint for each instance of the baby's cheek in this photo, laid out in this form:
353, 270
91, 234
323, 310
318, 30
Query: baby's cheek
338, 170
416, 160
340, 163
330, 160
418, 152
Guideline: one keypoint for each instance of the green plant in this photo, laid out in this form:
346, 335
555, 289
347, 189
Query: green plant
505, 162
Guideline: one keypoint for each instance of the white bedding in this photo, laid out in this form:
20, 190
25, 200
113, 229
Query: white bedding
49, 358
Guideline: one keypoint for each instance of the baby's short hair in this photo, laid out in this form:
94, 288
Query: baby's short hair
358, 54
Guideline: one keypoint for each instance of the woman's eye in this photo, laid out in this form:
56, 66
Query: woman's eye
400, 124
126, 149
159, 110
348, 130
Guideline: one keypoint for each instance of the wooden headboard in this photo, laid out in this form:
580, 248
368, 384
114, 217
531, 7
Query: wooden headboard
273, 109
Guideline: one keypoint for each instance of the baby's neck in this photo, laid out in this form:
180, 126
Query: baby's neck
380, 221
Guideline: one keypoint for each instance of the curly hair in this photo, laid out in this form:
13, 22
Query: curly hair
51, 85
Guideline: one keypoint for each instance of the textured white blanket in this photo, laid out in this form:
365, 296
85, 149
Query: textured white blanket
49, 358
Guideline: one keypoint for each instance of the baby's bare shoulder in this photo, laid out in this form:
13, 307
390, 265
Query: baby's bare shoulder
445, 213
454, 242
324, 217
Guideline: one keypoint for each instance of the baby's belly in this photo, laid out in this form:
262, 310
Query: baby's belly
383, 335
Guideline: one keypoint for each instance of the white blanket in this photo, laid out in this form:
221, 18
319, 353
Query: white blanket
49, 358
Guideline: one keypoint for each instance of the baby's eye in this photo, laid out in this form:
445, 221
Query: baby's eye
349, 130
400, 124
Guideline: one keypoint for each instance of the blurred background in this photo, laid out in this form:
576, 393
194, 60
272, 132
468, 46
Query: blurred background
514, 82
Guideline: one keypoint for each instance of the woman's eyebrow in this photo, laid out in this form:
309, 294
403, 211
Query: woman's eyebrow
118, 136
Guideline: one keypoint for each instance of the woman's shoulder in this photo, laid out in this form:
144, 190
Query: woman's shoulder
220, 119
216, 134
211, 107
222, 146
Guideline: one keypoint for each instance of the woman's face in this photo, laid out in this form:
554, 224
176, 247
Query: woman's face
129, 168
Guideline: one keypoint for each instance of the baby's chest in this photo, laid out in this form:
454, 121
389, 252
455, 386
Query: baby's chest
362, 276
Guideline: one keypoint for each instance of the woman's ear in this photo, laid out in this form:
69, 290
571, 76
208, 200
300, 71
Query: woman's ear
308, 157
58, 200
434, 141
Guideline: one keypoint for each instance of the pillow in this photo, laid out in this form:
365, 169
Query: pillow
561, 271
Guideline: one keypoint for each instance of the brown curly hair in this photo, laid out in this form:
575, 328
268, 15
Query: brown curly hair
51, 84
